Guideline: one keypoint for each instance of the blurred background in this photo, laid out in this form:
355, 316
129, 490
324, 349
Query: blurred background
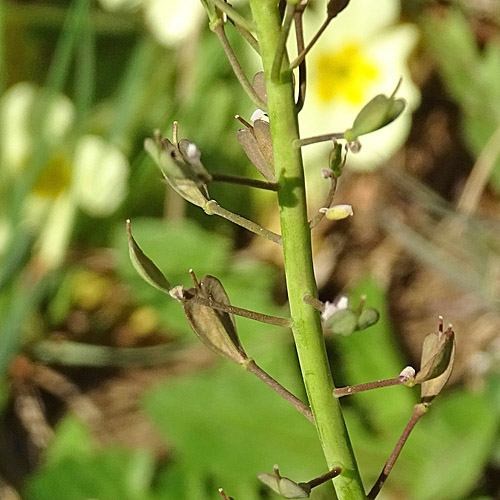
105, 393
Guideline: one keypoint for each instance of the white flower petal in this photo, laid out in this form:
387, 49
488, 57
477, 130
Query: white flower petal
170, 21
101, 173
15, 141
56, 232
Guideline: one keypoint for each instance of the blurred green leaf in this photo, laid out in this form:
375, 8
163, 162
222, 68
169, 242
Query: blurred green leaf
227, 426
76, 470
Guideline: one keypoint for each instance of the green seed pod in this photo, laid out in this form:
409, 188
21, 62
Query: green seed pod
146, 268
378, 113
343, 322
284, 486
368, 317
336, 160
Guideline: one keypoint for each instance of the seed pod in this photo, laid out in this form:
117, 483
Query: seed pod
368, 317
343, 322
216, 329
251, 147
146, 268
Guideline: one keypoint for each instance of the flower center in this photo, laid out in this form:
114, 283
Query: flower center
55, 177
344, 74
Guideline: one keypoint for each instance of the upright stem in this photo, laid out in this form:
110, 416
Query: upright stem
296, 239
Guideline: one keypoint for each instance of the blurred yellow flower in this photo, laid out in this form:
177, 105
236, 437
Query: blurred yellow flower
84, 172
362, 53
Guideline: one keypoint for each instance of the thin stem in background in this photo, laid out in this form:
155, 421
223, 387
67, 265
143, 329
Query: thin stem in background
281, 47
234, 179
299, 405
368, 386
314, 302
298, 143
218, 29
479, 175
252, 41
418, 410
329, 199
299, 35
234, 15
212, 207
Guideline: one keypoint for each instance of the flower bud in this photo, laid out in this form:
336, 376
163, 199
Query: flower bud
337, 212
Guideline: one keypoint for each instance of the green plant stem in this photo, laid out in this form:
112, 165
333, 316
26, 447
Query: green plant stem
212, 207
252, 41
418, 411
281, 48
299, 35
297, 252
300, 406
315, 38
218, 29
329, 199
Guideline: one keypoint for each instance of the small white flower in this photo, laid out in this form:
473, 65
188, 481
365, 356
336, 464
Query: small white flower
330, 308
407, 373
361, 54
259, 114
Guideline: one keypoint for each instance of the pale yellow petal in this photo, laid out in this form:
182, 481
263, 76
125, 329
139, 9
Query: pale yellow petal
101, 174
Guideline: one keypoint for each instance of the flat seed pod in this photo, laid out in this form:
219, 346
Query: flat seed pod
259, 85
368, 317
445, 358
250, 145
437, 353
378, 113
262, 132
146, 268
343, 322
177, 173
334, 7
284, 486
216, 329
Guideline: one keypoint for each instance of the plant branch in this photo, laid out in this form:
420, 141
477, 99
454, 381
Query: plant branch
315, 38
212, 207
252, 41
329, 199
218, 29
418, 410
234, 179
368, 386
299, 35
245, 313
234, 15
298, 143
281, 47
252, 367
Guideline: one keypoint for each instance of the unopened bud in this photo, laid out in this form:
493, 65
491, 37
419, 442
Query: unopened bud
337, 212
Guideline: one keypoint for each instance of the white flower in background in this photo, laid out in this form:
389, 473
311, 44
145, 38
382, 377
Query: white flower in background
361, 54
168, 20
330, 308
86, 172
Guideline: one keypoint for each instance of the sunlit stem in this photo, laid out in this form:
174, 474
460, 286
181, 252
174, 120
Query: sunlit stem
300, 406
234, 179
218, 29
368, 386
298, 143
418, 410
281, 47
329, 200
213, 208
234, 15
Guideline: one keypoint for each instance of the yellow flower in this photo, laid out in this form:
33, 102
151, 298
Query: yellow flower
362, 53
86, 172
